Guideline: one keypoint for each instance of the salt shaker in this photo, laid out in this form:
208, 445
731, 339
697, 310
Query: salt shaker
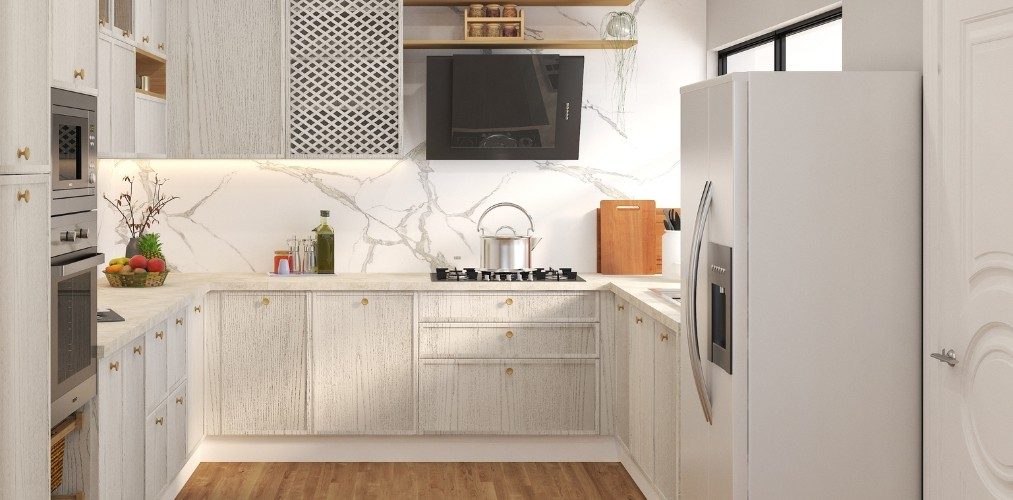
309, 261
295, 249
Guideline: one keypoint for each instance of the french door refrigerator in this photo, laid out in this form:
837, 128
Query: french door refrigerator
801, 367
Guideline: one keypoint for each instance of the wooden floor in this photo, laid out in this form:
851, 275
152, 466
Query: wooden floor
410, 480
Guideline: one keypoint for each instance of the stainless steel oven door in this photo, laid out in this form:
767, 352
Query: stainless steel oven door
73, 148
74, 335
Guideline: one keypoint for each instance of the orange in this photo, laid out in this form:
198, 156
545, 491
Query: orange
114, 269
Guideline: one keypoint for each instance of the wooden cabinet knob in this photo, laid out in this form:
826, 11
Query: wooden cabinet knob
509, 334
115, 366
266, 301
639, 320
137, 349
79, 74
664, 337
179, 321
179, 401
622, 307
25, 153
145, 39
509, 301
159, 421
159, 335
196, 309
365, 301
25, 196
509, 371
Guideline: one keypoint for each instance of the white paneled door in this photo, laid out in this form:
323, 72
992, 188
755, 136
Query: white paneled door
969, 250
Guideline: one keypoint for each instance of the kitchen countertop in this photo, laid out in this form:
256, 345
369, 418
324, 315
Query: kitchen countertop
143, 308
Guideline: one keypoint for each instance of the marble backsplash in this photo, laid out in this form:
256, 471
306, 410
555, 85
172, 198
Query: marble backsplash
410, 214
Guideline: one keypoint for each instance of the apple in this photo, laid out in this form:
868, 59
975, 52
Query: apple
156, 265
140, 270
126, 270
138, 262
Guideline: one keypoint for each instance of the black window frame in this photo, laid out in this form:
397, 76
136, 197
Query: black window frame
779, 38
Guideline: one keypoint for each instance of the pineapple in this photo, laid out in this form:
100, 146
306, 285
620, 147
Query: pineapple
149, 246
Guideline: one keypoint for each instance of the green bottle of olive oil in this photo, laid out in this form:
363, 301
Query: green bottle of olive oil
324, 245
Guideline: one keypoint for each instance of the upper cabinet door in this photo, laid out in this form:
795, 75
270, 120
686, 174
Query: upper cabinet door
159, 29
142, 24
24, 87
234, 71
73, 39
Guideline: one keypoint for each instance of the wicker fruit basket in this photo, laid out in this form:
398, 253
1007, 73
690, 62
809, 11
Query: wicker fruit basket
146, 280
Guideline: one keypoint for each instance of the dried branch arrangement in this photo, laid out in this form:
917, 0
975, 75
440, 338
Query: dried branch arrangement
139, 216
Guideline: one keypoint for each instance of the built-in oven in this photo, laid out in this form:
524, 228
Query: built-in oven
74, 256
74, 148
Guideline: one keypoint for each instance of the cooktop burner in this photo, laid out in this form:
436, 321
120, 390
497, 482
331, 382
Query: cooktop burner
537, 274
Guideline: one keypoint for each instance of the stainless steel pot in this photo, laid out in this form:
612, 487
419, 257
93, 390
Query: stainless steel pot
513, 251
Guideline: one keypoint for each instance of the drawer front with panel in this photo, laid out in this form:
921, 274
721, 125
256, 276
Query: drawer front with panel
515, 397
560, 307
511, 340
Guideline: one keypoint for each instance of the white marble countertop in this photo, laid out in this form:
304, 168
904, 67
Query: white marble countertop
143, 308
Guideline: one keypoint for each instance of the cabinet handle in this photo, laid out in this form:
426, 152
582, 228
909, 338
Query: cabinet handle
365, 301
179, 321
664, 337
639, 320
79, 74
145, 39
509, 371
115, 366
102, 23
622, 307
196, 309
126, 33
159, 335
265, 301
509, 334
179, 401
25, 196
161, 46
159, 421
137, 349
25, 152
509, 301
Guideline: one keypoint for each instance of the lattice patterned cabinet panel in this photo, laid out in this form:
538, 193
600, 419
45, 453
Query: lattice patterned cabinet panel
345, 78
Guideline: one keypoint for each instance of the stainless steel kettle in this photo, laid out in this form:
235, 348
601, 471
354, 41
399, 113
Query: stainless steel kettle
503, 252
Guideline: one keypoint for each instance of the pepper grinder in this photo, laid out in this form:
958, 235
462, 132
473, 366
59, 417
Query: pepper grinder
309, 261
296, 250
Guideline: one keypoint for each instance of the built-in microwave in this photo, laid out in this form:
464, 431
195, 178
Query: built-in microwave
74, 148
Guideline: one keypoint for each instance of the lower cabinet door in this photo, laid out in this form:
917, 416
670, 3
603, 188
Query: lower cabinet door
642, 346
155, 371
666, 412
176, 431
110, 429
517, 397
175, 345
134, 428
195, 375
155, 452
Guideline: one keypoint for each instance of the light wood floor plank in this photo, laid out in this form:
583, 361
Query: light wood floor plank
423, 481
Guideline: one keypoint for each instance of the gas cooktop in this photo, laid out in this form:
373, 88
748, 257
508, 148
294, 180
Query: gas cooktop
473, 274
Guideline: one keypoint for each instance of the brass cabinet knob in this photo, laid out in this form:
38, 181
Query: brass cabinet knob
196, 309
639, 320
25, 196
145, 39
79, 74
159, 421
365, 301
126, 33
509, 371
622, 307
265, 301
179, 400
159, 335
179, 321
25, 152
664, 337
137, 349
509, 301
102, 23
509, 334
115, 366
161, 46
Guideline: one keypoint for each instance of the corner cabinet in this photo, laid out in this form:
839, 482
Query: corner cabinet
24, 87
235, 91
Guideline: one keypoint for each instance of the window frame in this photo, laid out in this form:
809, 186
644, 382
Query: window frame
779, 38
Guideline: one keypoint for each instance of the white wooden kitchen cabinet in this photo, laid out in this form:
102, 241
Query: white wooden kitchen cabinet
24, 342
508, 307
116, 76
25, 87
121, 422
195, 375
666, 412
256, 364
149, 126
150, 25
515, 340
363, 363
155, 452
621, 324
642, 345
175, 344
73, 45
156, 382
176, 429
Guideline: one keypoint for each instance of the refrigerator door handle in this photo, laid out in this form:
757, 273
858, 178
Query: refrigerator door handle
702, 215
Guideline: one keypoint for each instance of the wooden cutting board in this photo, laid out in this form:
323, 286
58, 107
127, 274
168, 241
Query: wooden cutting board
628, 237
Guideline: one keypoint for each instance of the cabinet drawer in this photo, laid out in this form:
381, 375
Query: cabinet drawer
516, 340
508, 306
524, 397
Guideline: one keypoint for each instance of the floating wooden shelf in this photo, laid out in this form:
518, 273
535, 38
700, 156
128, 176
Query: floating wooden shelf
150, 94
153, 67
507, 43
532, 3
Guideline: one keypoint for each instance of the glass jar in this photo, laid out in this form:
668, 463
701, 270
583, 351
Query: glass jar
492, 10
510, 10
476, 30
494, 30
512, 30
281, 255
476, 10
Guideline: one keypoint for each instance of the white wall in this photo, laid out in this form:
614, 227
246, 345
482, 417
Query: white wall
411, 214
878, 34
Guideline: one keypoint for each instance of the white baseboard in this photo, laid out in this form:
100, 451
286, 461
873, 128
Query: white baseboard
406, 449
645, 485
